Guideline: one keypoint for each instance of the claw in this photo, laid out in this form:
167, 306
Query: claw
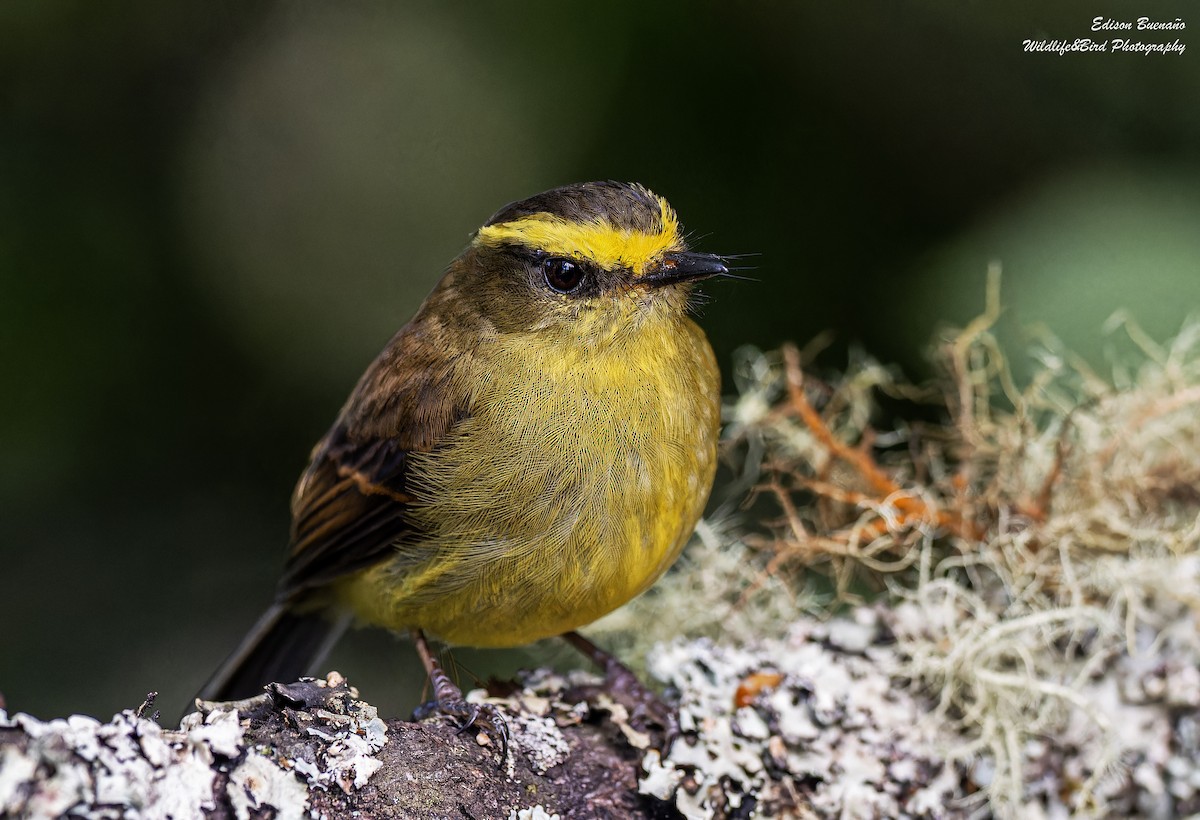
483, 716
449, 701
470, 719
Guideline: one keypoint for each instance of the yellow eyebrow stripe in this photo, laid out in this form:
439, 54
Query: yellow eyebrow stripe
599, 241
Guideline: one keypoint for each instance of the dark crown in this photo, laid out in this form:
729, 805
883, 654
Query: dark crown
624, 205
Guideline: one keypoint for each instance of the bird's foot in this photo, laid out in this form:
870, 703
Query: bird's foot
648, 713
482, 716
448, 700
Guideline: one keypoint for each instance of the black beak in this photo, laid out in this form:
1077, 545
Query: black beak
683, 266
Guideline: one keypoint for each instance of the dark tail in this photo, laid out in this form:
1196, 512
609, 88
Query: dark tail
283, 646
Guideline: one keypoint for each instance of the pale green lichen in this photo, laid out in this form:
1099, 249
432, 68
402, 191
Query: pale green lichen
1036, 557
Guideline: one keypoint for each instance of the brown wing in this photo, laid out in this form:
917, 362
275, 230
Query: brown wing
352, 510
352, 504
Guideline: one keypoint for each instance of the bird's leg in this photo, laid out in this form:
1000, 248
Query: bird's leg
449, 700
644, 706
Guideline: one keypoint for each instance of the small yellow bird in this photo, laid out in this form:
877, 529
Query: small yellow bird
528, 453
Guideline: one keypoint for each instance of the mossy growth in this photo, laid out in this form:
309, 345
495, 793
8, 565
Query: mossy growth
1036, 550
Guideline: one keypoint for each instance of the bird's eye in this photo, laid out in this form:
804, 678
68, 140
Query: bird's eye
562, 275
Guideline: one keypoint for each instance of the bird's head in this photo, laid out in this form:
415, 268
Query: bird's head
591, 259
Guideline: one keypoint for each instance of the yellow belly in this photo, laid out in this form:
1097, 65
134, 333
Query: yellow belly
569, 489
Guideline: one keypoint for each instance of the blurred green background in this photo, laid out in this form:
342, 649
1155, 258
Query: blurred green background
214, 214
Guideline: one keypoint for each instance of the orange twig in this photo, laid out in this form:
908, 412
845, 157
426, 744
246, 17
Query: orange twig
859, 459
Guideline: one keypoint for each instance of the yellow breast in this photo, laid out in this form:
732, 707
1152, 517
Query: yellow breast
571, 486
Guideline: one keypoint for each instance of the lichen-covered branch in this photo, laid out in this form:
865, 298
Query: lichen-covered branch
1008, 625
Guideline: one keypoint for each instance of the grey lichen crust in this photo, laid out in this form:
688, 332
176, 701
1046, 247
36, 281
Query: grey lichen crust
820, 722
213, 764
827, 722
808, 725
92, 769
312, 749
